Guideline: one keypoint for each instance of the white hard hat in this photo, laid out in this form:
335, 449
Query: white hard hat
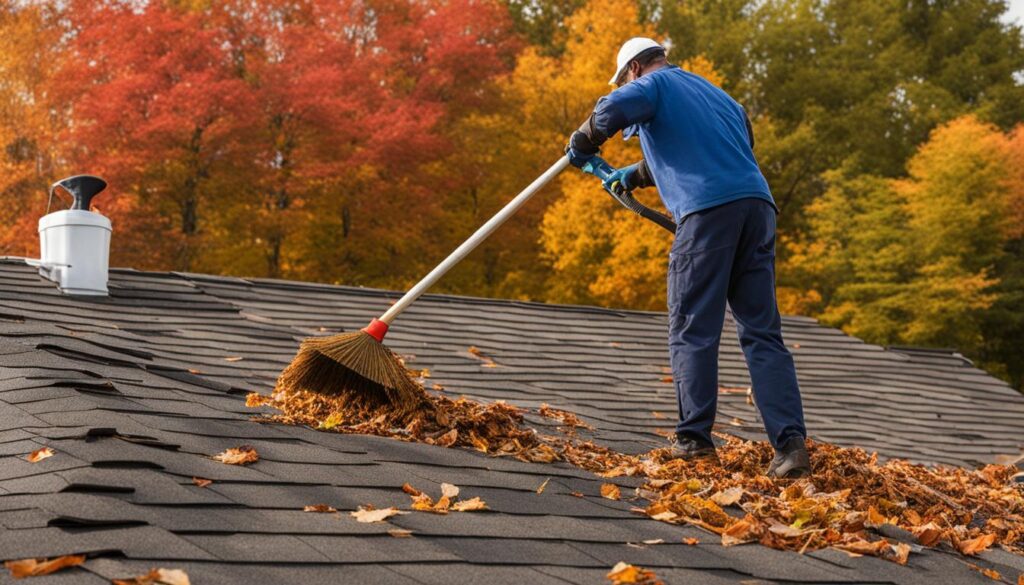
629, 51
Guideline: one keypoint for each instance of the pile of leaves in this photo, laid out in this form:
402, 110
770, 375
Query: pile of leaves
852, 502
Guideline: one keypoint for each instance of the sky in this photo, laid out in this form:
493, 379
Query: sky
1016, 11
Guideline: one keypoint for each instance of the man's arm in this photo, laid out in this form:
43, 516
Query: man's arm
750, 129
642, 177
628, 105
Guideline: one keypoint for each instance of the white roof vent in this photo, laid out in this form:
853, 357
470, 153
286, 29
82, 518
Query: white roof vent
75, 242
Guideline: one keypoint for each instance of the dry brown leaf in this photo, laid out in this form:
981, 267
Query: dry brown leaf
368, 516
626, 574
410, 490
157, 577
928, 534
448, 439
610, 491
37, 567
320, 508
400, 533
665, 516
901, 552
741, 532
234, 358
201, 482
691, 541
471, 505
727, 497
243, 455
577, 494
657, 414
977, 545
449, 491
540, 490
39, 454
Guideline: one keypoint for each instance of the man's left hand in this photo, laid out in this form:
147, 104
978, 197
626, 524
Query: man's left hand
620, 181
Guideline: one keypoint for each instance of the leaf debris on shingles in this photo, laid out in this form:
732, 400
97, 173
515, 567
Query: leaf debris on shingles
626, 574
369, 514
540, 490
850, 495
39, 454
37, 567
157, 577
320, 508
610, 491
488, 362
201, 482
243, 455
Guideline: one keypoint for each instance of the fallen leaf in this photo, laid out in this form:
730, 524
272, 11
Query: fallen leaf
691, 541
626, 574
977, 545
400, 533
201, 482
321, 508
39, 454
727, 497
157, 577
470, 505
449, 491
657, 414
1020, 579
410, 490
577, 494
737, 421
195, 371
928, 534
740, 533
37, 567
610, 491
235, 358
367, 516
243, 455
448, 439
540, 490
664, 516
901, 552
654, 541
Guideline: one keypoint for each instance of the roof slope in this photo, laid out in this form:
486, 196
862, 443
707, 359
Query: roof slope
135, 391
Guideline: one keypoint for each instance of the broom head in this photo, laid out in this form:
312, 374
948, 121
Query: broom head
357, 366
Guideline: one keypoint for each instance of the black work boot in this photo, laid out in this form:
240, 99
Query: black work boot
682, 447
791, 460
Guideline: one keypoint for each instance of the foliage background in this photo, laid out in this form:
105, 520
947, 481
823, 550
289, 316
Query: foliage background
358, 141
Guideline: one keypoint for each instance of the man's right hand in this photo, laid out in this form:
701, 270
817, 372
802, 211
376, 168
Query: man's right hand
577, 158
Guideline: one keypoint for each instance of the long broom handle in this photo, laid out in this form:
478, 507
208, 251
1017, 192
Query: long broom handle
479, 236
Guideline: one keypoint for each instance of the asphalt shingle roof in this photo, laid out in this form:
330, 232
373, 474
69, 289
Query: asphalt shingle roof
135, 391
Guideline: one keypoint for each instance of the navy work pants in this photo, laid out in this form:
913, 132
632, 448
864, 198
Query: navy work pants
727, 254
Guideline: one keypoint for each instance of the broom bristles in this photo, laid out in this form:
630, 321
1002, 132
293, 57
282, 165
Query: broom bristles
357, 365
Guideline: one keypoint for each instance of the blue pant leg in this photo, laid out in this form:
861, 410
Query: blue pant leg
698, 282
754, 307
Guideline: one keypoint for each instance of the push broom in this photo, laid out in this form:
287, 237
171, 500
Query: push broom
357, 364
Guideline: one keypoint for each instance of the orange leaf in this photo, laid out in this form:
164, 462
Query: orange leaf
157, 577
977, 545
691, 541
321, 508
243, 455
610, 491
626, 574
39, 454
37, 567
540, 490
201, 482
410, 490
400, 533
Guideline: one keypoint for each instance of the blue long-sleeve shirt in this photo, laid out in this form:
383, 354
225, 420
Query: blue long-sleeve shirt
693, 135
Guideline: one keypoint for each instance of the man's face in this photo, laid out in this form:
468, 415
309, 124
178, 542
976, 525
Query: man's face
632, 72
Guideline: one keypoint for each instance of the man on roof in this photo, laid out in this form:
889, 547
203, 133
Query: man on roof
698, 151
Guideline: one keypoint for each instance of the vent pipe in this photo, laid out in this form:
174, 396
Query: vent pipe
75, 242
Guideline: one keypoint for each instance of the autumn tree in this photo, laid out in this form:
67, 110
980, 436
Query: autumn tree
914, 260
30, 51
156, 109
